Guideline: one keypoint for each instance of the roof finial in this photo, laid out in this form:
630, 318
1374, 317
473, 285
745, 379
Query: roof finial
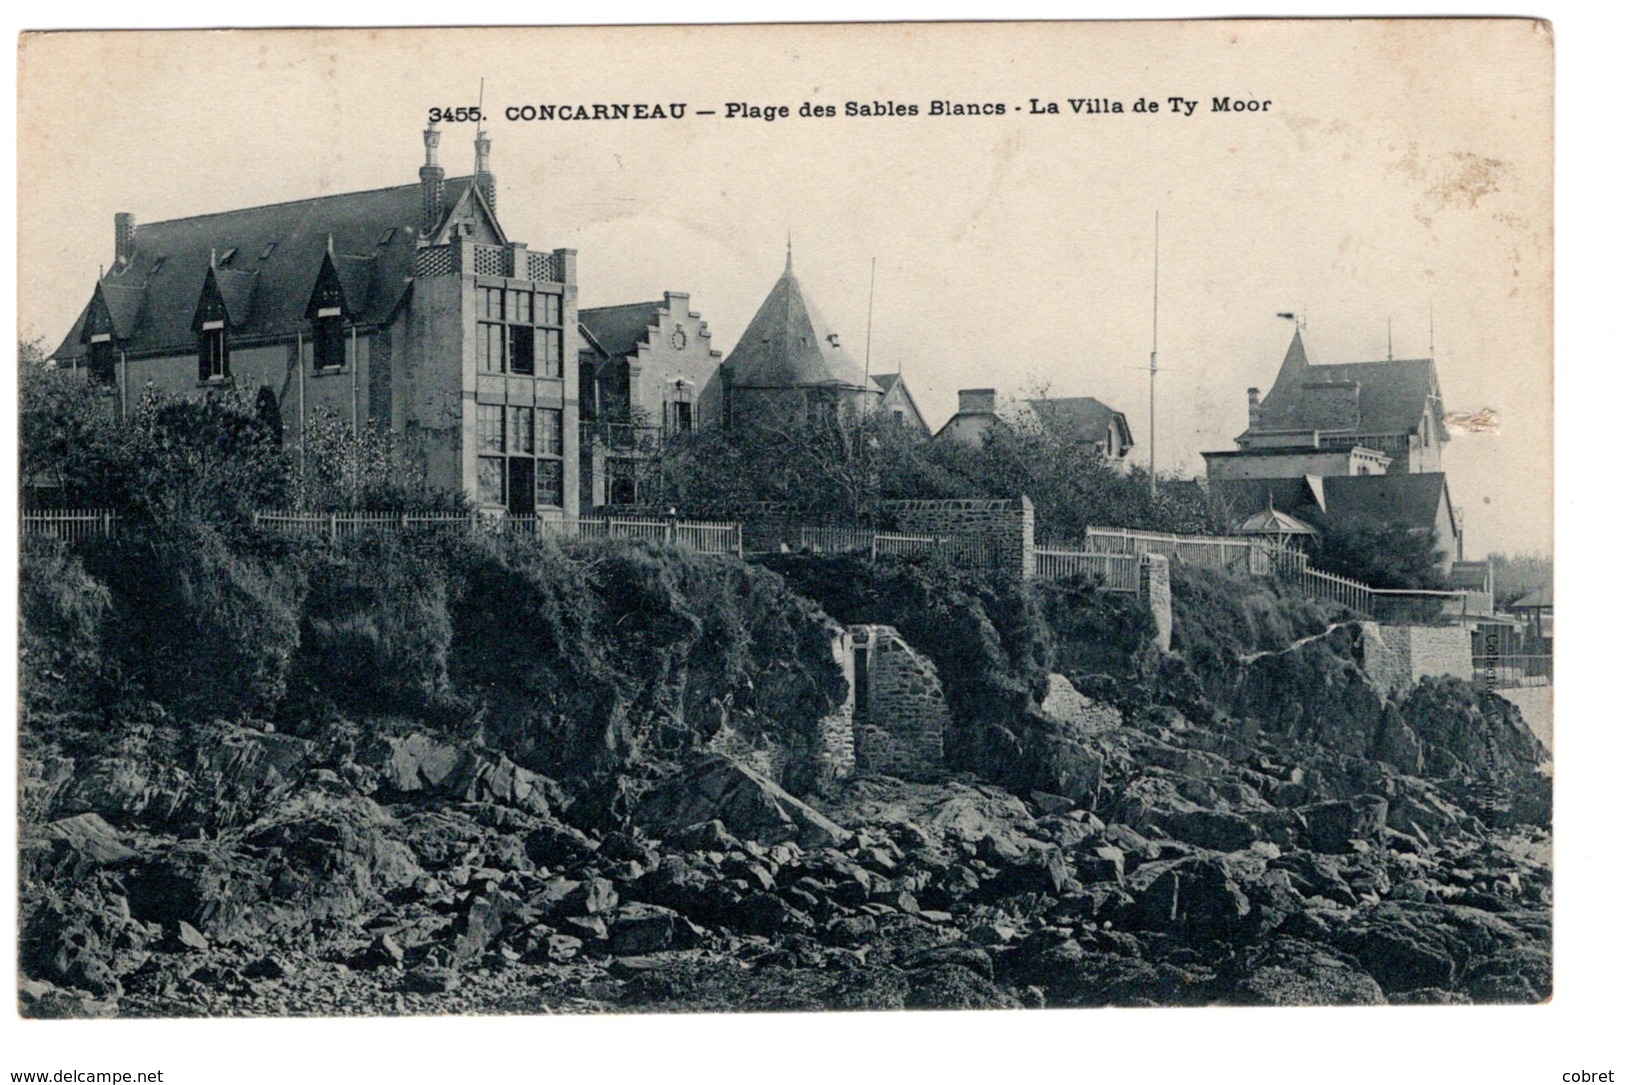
330, 243
211, 257
789, 246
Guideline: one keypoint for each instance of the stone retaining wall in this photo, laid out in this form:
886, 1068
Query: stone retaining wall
899, 711
1395, 657
1007, 524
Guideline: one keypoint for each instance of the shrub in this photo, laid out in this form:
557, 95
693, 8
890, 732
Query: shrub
204, 624
61, 609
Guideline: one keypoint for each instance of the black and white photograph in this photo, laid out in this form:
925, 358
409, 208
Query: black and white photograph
776, 520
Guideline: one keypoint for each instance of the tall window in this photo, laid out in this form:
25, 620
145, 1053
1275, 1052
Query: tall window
520, 331
213, 357
101, 361
328, 341
521, 456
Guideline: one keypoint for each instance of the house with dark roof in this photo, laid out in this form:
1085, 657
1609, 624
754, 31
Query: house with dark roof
897, 404
1085, 420
641, 366
1420, 503
1353, 418
788, 364
406, 308
1079, 420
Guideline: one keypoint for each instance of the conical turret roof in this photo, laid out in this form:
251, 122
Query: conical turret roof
788, 345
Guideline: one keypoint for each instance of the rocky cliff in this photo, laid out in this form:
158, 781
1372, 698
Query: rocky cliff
472, 775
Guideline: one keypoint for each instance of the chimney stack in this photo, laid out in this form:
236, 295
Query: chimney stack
1255, 413
482, 168
123, 238
976, 400
432, 181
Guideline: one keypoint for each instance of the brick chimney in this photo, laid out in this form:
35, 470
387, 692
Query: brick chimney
1255, 413
976, 400
483, 177
123, 238
432, 181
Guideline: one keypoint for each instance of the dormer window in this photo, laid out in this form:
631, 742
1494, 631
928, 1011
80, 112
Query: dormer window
387, 236
265, 253
227, 256
213, 354
328, 340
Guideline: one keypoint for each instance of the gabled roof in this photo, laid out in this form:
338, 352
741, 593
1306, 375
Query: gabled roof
1410, 500
1082, 418
620, 329
1540, 598
886, 380
1246, 497
123, 307
1392, 398
788, 345
279, 250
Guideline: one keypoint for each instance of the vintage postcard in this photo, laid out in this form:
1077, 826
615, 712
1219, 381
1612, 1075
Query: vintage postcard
785, 518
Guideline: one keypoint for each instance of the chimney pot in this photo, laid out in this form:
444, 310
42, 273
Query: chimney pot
972, 400
123, 238
432, 182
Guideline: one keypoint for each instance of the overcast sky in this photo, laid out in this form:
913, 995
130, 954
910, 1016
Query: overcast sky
1400, 167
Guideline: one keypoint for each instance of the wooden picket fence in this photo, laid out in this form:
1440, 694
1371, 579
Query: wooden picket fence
704, 537
70, 525
1116, 572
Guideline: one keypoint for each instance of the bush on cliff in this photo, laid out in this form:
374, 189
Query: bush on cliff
203, 623
61, 608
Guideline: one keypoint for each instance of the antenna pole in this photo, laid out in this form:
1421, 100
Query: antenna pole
1390, 339
869, 332
1156, 279
1430, 329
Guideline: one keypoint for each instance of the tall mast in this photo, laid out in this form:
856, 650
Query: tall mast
869, 332
1156, 276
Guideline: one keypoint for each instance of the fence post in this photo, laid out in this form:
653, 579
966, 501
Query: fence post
333, 526
107, 530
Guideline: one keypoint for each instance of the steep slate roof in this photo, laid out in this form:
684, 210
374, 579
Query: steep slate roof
619, 329
886, 380
1541, 597
265, 293
1248, 496
1410, 500
1393, 394
787, 345
1083, 417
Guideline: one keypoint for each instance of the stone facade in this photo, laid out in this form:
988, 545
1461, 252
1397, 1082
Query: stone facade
837, 758
1007, 525
1157, 591
899, 713
1395, 657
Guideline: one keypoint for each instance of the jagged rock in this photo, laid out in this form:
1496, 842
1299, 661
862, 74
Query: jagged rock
649, 928
417, 762
1196, 896
555, 844
750, 805
431, 980
1104, 863
1292, 972
1331, 826
189, 937
384, 952
88, 838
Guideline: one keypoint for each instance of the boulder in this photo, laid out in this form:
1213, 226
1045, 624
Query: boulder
649, 928
749, 805
1331, 826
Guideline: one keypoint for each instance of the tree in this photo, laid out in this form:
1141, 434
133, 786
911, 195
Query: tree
1381, 555
336, 467
212, 458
